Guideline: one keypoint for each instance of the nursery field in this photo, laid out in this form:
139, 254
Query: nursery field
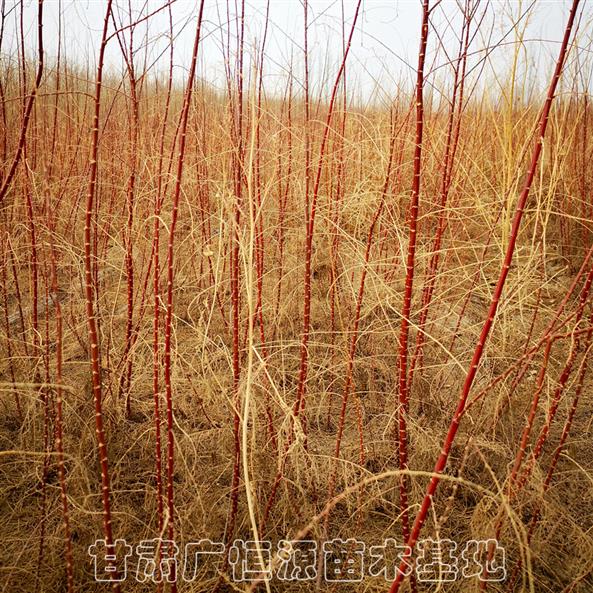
283, 331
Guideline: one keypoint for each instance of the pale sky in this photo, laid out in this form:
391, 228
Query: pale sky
384, 50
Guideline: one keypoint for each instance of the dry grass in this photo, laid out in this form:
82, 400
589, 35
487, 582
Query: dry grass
554, 239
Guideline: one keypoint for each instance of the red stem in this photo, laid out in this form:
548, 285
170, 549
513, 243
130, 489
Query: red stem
403, 407
475, 362
170, 279
90, 294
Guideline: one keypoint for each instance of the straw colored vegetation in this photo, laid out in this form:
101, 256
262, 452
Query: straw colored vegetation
239, 314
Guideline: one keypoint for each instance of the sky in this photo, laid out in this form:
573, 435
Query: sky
384, 48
